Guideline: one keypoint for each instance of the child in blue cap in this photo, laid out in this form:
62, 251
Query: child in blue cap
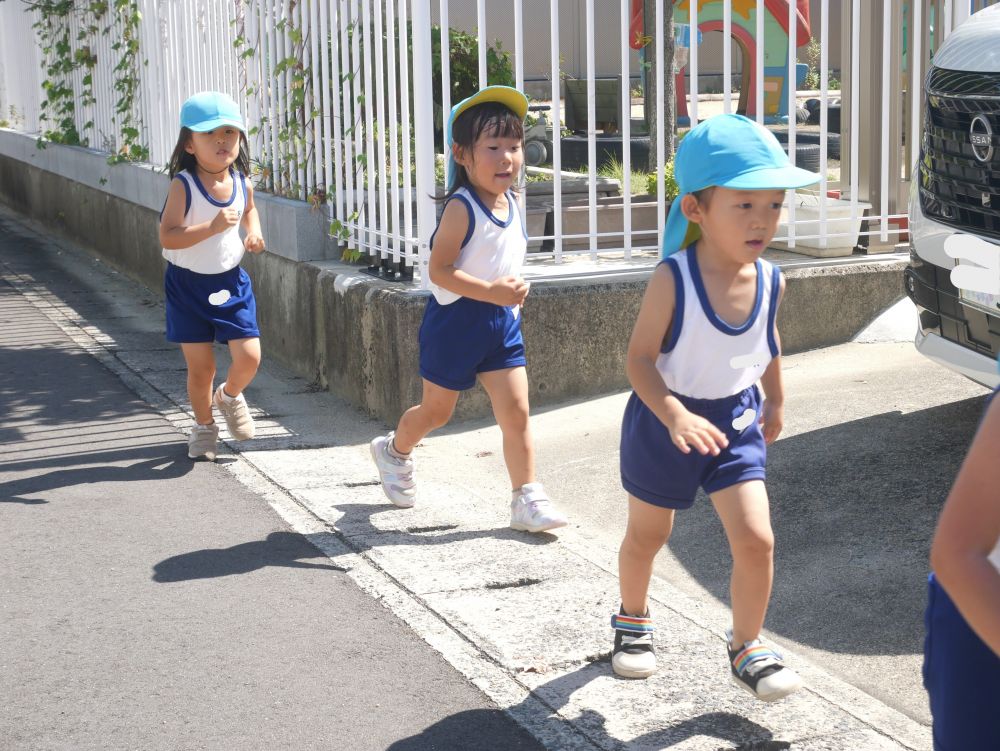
704, 336
209, 297
962, 648
472, 325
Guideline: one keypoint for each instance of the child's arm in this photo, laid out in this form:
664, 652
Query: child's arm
967, 531
175, 236
772, 418
655, 314
506, 291
253, 241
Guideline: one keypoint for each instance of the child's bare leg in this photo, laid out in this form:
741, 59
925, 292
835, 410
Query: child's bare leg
647, 532
246, 360
745, 514
200, 360
508, 392
434, 411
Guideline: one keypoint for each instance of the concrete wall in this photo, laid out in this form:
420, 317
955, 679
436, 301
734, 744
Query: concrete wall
357, 335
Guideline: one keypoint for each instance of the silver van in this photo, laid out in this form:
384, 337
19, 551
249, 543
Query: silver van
954, 271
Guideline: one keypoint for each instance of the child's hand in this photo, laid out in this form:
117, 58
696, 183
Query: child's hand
772, 420
689, 429
225, 219
508, 290
253, 242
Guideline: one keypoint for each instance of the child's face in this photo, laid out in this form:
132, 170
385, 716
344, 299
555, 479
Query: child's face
739, 223
493, 163
216, 149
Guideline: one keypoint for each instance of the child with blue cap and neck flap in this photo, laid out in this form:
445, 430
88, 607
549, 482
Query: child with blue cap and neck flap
704, 337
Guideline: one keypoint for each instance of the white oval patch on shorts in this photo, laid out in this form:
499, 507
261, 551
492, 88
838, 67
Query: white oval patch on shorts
219, 298
744, 421
753, 360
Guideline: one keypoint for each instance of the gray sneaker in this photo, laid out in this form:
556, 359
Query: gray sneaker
396, 474
203, 441
239, 422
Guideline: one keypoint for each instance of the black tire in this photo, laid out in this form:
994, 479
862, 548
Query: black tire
804, 137
536, 153
806, 156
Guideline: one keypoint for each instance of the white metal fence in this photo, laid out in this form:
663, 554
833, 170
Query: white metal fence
340, 95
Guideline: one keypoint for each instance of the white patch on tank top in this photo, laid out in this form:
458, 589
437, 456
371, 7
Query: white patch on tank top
219, 298
753, 360
745, 420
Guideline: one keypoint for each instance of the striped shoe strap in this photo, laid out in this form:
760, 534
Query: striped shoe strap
755, 652
632, 624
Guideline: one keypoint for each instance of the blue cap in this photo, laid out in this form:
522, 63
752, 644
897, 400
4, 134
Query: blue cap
728, 151
505, 95
209, 110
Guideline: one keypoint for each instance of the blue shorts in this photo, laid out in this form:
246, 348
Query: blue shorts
962, 678
654, 470
209, 307
467, 337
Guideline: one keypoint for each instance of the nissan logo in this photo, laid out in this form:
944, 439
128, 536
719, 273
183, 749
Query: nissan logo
981, 138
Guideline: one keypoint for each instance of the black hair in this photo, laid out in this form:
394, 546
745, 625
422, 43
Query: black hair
182, 160
489, 119
702, 196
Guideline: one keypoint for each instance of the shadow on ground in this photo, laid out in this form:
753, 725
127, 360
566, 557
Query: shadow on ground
854, 508
462, 729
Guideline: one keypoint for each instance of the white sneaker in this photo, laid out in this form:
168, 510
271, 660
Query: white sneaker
633, 655
761, 670
532, 511
239, 422
396, 474
203, 442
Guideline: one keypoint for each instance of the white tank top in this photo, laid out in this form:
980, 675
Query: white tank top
706, 358
217, 253
995, 556
492, 247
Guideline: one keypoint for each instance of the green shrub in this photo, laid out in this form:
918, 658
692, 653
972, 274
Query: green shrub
669, 183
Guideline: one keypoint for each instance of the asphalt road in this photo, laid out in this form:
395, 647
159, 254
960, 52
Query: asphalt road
149, 602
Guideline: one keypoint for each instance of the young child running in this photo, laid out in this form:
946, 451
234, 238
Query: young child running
209, 297
472, 323
962, 648
704, 336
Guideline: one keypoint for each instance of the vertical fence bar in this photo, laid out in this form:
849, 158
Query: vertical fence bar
337, 116
916, 66
824, 115
693, 66
404, 98
591, 133
347, 121
314, 112
357, 166
793, 105
664, 68
382, 131
759, 63
445, 74
556, 120
305, 144
887, 107
626, 131
369, 108
483, 41
423, 115
727, 55
518, 44
326, 87
394, 130
855, 96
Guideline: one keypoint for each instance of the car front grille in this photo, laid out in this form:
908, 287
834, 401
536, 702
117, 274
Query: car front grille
956, 188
